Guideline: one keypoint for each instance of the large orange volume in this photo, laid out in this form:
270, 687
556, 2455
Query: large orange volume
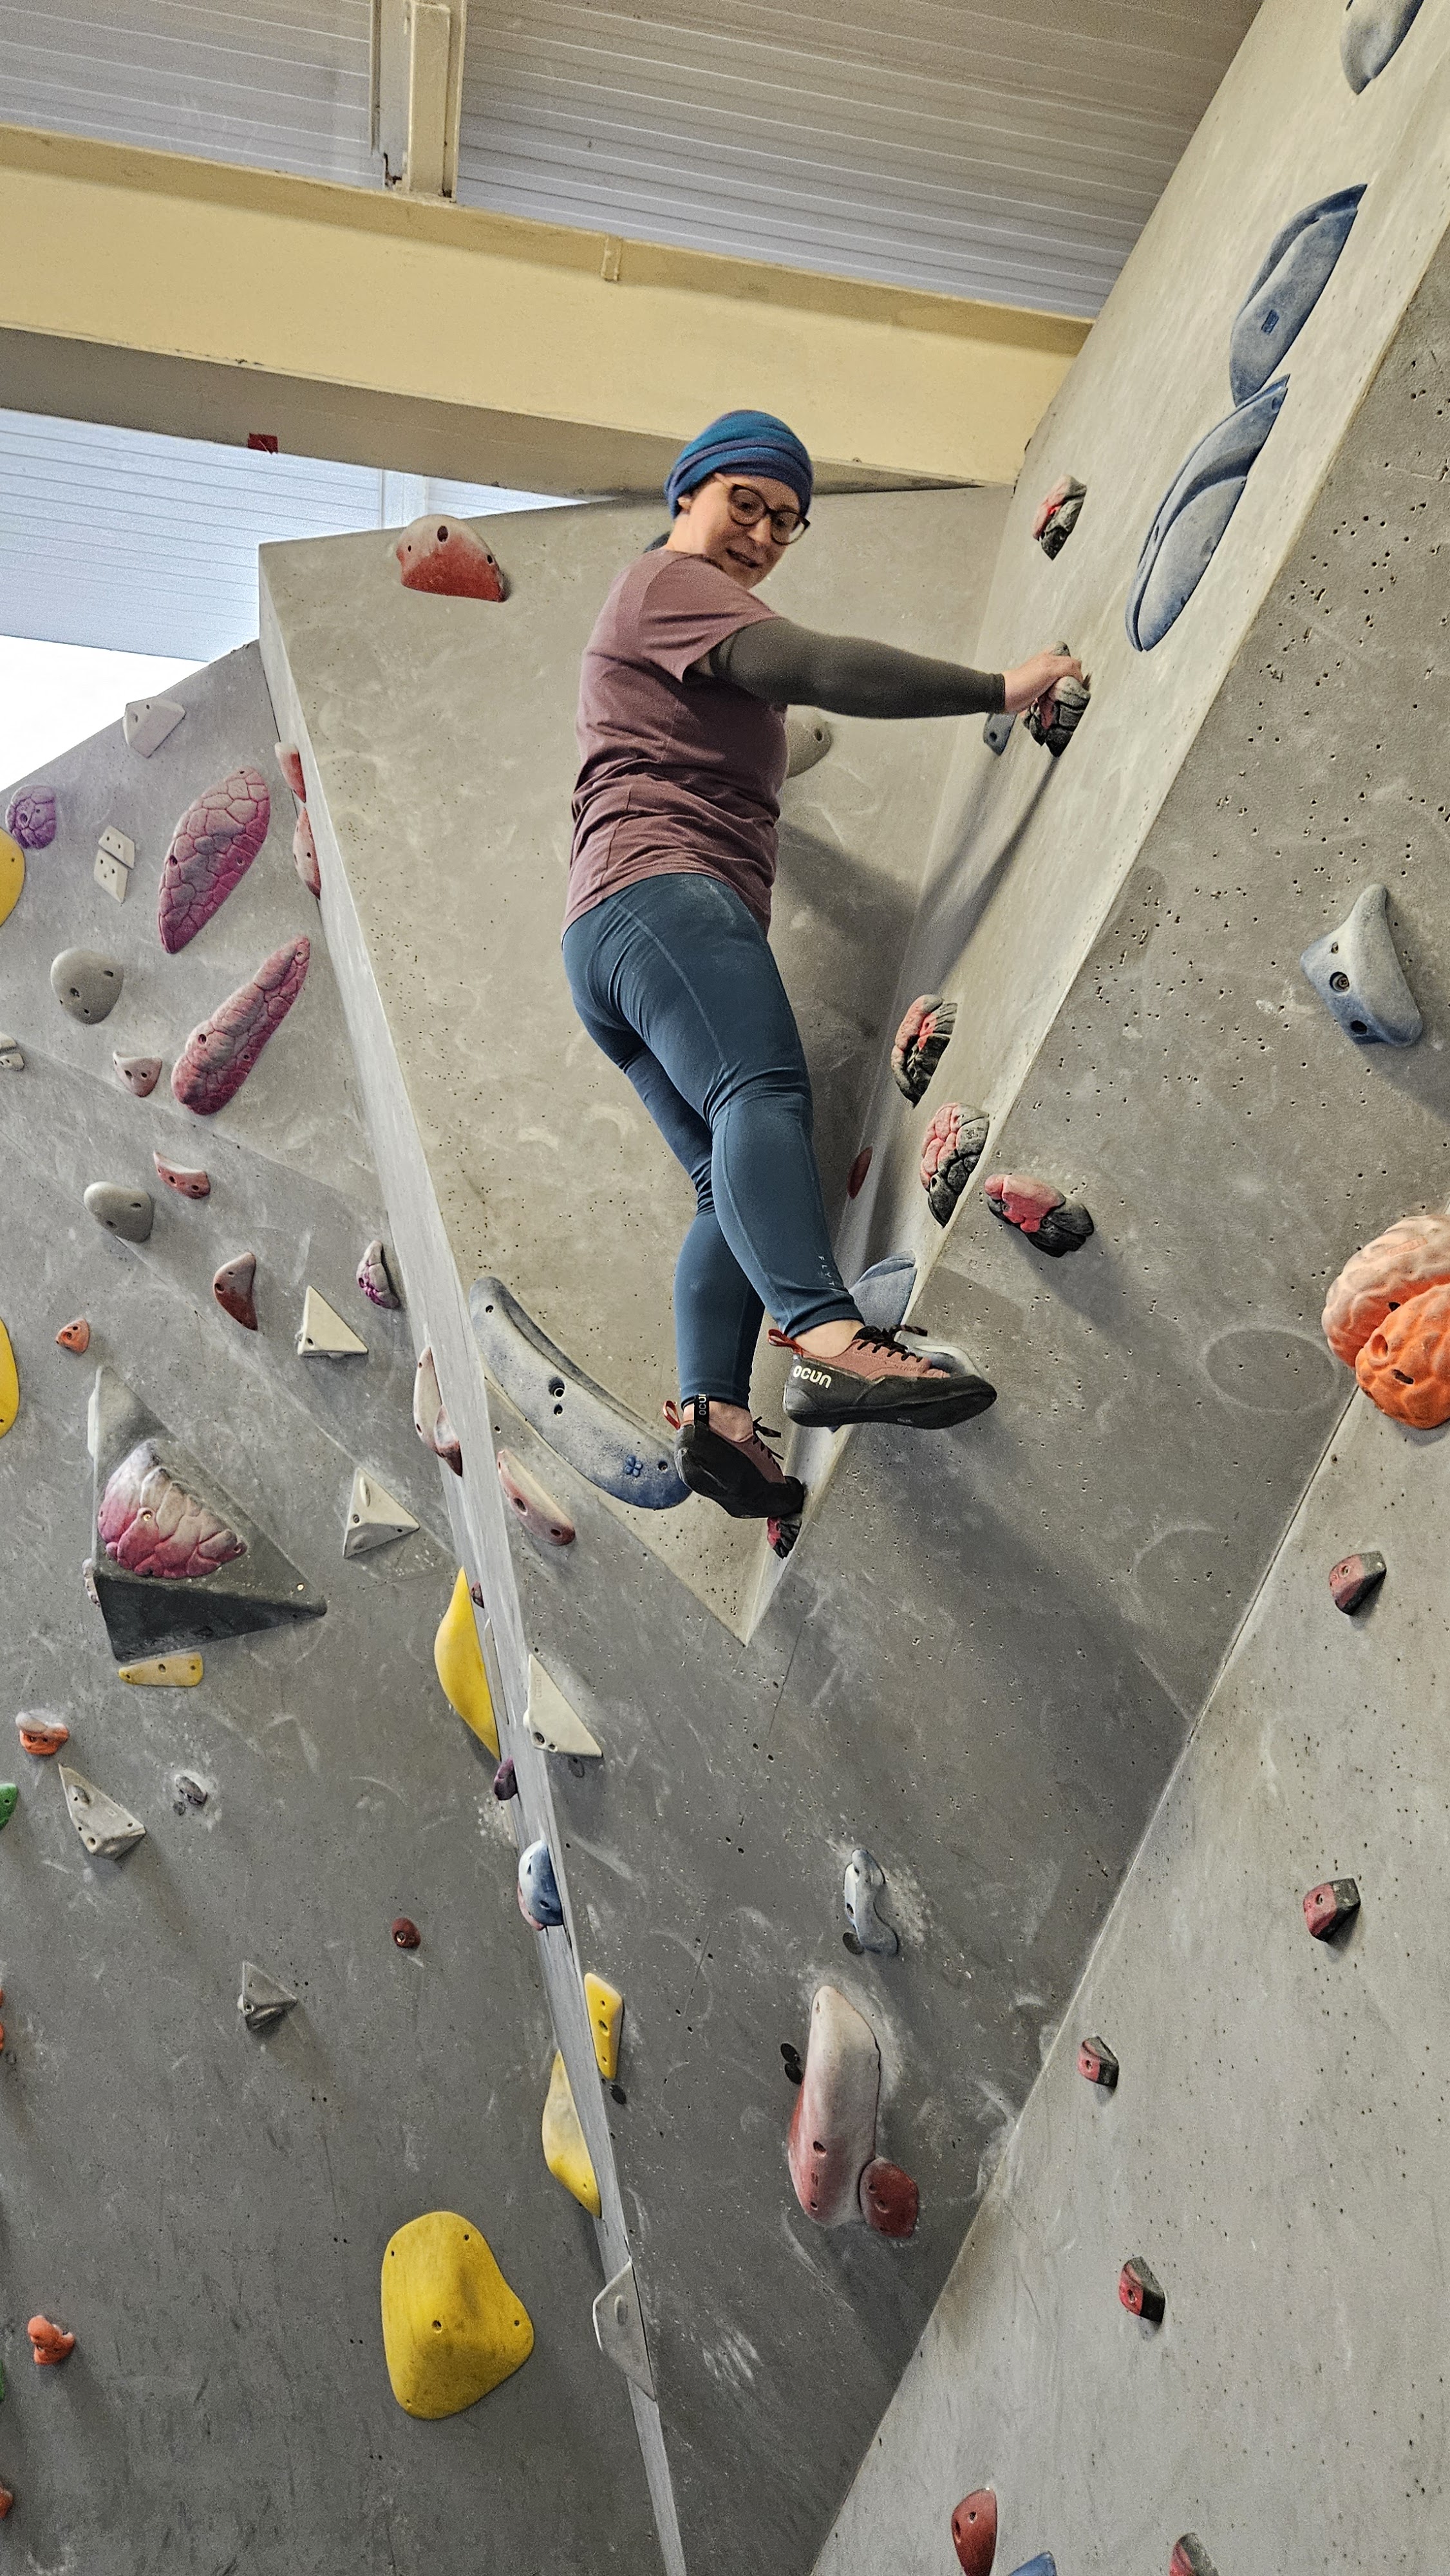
1404, 1367
1400, 1264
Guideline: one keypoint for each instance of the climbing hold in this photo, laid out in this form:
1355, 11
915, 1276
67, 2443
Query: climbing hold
506, 1780
1058, 513
289, 761
538, 1889
950, 1155
41, 1732
211, 850
920, 1043
458, 1661
606, 2019
162, 1672
322, 1333
605, 1443
429, 1418
890, 2201
49, 2344
374, 1517
139, 1073
619, 2329
1296, 268
865, 1880
179, 1562
12, 1056
1096, 2061
103, 1826
565, 2152
1371, 32
832, 2134
1193, 514
1059, 711
262, 2002
149, 722
452, 2327
1399, 1264
7, 2499
234, 1290
126, 1213
1139, 2291
1190, 2558
533, 1504
221, 1051
856, 1177
552, 1722
974, 2532
1354, 1578
1404, 1367
9, 1384
406, 1935
444, 556
86, 983
9, 1801
187, 1184
1356, 973
1043, 2565
375, 1279
781, 1535
808, 738
115, 858
190, 1792
304, 853
1328, 1907
30, 817
1054, 1224
12, 875
75, 1336
997, 733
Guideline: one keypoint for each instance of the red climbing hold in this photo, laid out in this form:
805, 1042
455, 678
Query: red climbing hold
1354, 1578
920, 1044
48, 2343
76, 1336
444, 556
39, 1733
289, 761
1055, 1224
889, 2199
974, 2532
304, 853
950, 1155
187, 1184
1096, 2061
6, 2501
1139, 2291
1328, 1906
1190, 2558
406, 1934
234, 1289
856, 1177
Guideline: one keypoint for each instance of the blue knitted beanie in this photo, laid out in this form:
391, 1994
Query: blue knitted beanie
755, 440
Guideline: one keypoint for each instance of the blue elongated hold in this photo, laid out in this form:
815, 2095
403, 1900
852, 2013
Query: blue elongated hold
1193, 514
1369, 33
883, 1293
1355, 971
1297, 267
539, 1889
601, 1439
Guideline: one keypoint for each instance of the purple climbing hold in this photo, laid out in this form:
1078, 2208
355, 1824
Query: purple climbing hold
506, 1780
211, 850
150, 1524
30, 817
374, 1277
219, 1055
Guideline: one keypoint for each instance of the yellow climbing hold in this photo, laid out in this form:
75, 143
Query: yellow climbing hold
167, 1672
452, 2327
565, 2153
9, 1384
459, 1661
606, 2013
12, 874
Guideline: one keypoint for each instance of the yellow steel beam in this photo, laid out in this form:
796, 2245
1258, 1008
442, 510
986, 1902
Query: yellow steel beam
163, 292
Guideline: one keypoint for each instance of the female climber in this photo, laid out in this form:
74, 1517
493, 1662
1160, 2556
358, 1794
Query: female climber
682, 740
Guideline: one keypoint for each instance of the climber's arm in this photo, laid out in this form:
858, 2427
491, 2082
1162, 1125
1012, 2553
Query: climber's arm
848, 675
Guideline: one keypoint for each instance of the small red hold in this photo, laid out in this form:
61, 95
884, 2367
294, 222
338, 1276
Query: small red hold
890, 2201
1054, 1224
1354, 1578
75, 1336
406, 1934
304, 853
234, 1289
1139, 2291
187, 1184
262, 441
1096, 2061
535, 1506
49, 2343
289, 761
40, 1734
445, 557
7, 2499
856, 1177
974, 2532
781, 1536
1329, 1906
1190, 2558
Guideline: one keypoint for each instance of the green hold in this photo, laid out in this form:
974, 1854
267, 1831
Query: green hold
9, 1801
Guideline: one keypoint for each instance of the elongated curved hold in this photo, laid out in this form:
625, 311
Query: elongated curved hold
106, 1829
49, 2343
87, 983
149, 722
75, 1336
452, 2328
187, 1184
129, 1214
856, 1177
41, 1732
1139, 2291
619, 2329
1357, 975
974, 2532
565, 2152
955, 1142
832, 2135
220, 1053
430, 1421
289, 761
864, 1888
1329, 1907
30, 817
553, 1724
444, 556
920, 1043
150, 1524
533, 1504
375, 1279
262, 2003
304, 853
458, 1662
138, 1074
808, 738
1404, 1367
605, 2006
12, 874
890, 2201
1371, 33
882, 1294
600, 1438
9, 1384
539, 1900
1354, 1578
211, 850
1294, 272
1193, 514
1190, 2558
234, 1289
1054, 1224
1409, 1257
1058, 513
162, 1672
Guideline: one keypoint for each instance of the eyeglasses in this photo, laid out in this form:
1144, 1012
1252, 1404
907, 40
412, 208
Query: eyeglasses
747, 509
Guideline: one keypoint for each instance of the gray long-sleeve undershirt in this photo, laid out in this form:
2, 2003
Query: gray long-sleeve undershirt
847, 675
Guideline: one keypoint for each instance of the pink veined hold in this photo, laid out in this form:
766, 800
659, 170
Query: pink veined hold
289, 761
30, 817
832, 2135
188, 1185
429, 1419
152, 1525
304, 853
218, 1056
211, 850
443, 555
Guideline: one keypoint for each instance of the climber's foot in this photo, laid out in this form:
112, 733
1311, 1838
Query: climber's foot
745, 1478
877, 1379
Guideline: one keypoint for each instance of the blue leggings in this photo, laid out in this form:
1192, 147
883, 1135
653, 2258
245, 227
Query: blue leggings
674, 979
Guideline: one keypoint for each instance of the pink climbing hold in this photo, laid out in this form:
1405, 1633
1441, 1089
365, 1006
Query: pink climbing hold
429, 1419
234, 1289
974, 2532
375, 1279
139, 1073
211, 850
920, 1043
304, 853
953, 1147
289, 761
890, 2201
219, 1055
187, 1185
832, 2134
444, 556
75, 1336
152, 1525
1055, 1224
535, 1506
49, 2344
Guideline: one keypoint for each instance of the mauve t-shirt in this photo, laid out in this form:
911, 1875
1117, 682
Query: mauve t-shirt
678, 777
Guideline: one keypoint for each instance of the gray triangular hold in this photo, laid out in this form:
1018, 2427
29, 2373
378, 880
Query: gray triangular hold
374, 1516
552, 1722
1356, 972
323, 1334
262, 2001
103, 1826
619, 2329
148, 723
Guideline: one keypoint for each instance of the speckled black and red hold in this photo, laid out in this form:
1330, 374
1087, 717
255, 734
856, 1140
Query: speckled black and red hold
974, 2532
1328, 1907
1139, 2291
1190, 2558
406, 1935
1354, 1578
1096, 2061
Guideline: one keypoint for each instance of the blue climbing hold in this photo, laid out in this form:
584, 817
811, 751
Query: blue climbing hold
883, 1293
1046, 2565
1296, 269
1193, 515
1370, 32
539, 1889
602, 1440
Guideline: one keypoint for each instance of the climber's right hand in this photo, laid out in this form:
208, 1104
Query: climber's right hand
1032, 680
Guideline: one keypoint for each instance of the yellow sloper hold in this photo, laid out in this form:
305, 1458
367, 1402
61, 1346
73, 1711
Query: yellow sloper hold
458, 1657
12, 874
9, 1384
452, 2327
606, 2013
565, 2153
165, 1672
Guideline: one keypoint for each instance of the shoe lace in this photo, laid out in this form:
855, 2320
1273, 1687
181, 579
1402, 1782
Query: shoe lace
875, 1337
761, 1431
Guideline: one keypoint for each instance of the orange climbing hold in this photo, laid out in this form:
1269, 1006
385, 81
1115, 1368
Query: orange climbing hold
48, 2343
1400, 1264
39, 1733
1404, 1367
76, 1336
974, 2532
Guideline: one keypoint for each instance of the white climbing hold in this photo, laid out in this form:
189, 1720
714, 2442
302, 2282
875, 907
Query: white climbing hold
323, 1334
115, 858
103, 1826
1356, 972
149, 722
552, 1722
374, 1516
619, 2329
430, 1421
807, 739
865, 1882
262, 2001
11, 1058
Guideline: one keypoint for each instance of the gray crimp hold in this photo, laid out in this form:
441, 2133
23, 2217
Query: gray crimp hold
121, 1210
1371, 32
808, 738
151, 1614
87, 983
374, 1516
997, 733
149, 722
1193, 514
600, 1438
11, 1058
1296, 268
104, 1827
552, 1722
262, 2002
1356, 973
865, 1884
619, 2329
882, 1294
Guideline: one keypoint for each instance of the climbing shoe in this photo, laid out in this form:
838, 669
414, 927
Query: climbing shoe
877, 1379
745, 1478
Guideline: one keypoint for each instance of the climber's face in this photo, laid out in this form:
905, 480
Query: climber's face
740, 521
